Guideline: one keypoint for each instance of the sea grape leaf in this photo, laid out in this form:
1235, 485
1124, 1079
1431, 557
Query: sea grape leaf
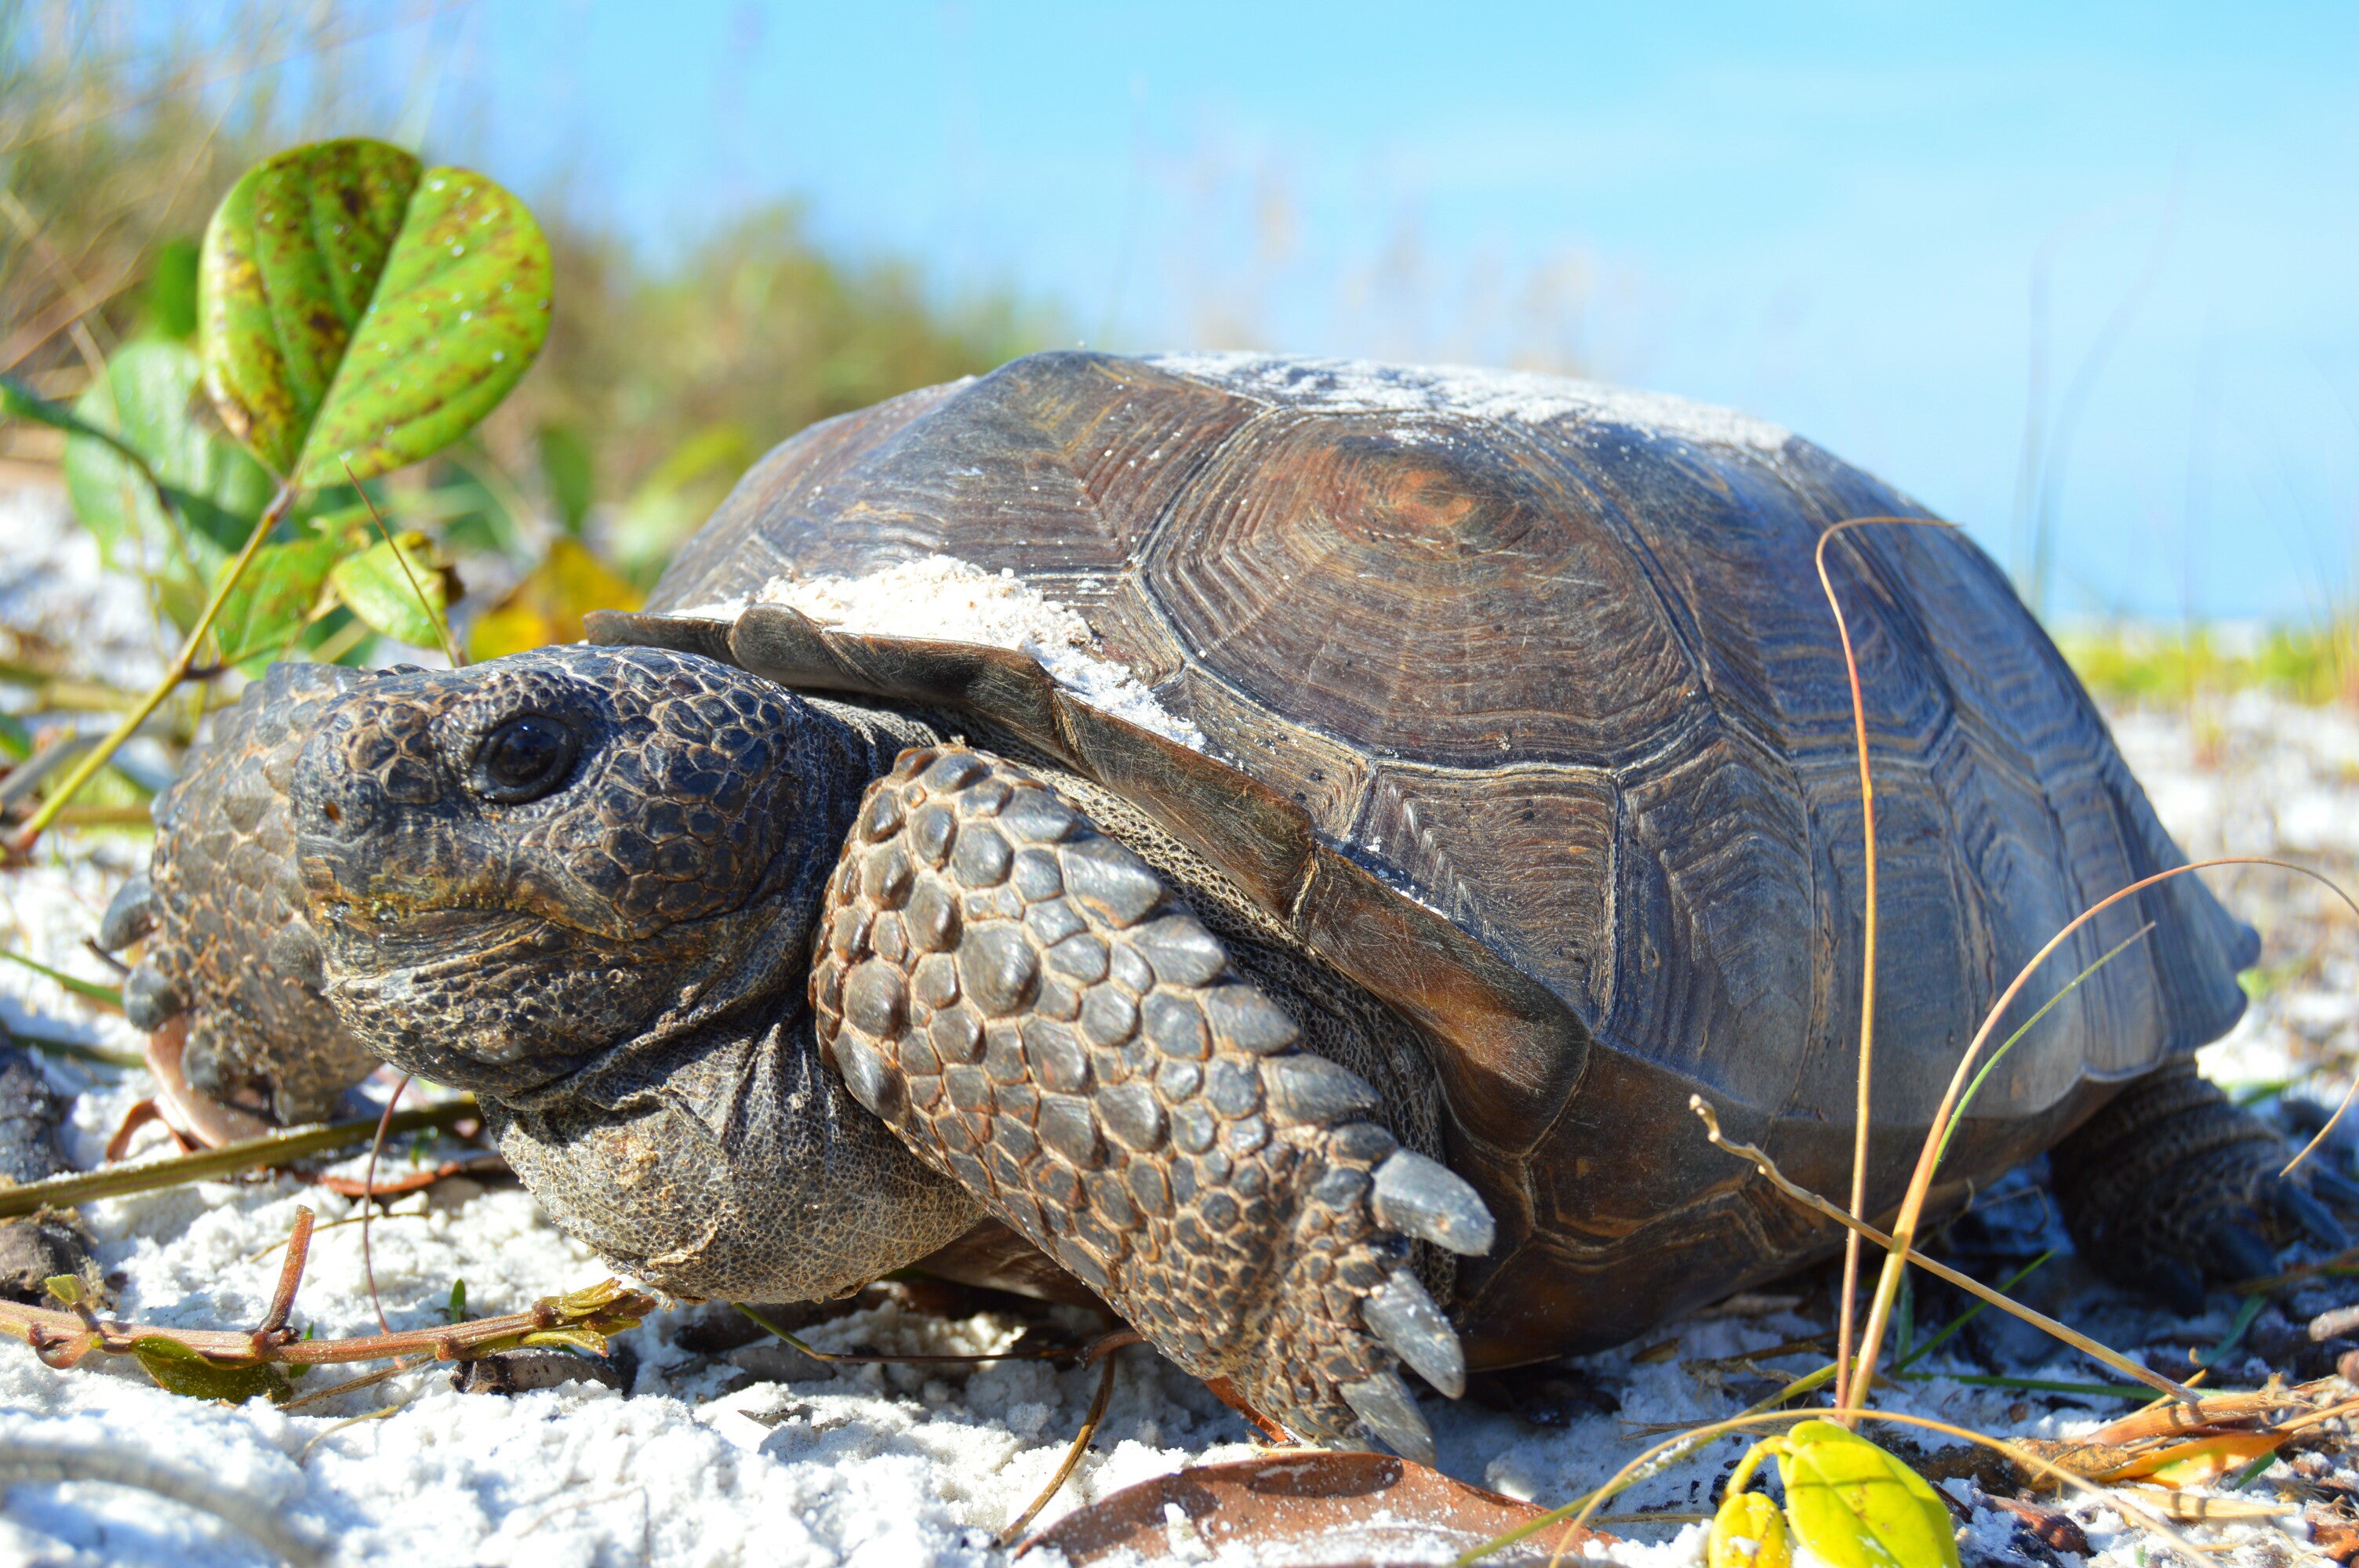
1749, 1532
146, 400
291, 260
548, 605
276, 595
386, 594
1857, 1507
358, 313
181, 1371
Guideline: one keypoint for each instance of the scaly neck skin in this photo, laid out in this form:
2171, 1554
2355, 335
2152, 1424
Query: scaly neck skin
714, 1153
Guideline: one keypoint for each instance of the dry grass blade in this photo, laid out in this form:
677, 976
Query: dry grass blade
1080, 1445
1920, 1181
368, 1200
441, 623
1967, 1282
1863, 1116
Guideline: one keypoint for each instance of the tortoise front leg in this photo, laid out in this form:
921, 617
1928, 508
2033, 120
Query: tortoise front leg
1037, 1015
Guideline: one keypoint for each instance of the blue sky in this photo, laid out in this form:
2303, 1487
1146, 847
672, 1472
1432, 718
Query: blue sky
1831, 216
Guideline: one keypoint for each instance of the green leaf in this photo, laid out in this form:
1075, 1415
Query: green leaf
359, 313
1857, 1507
146, 400
457, 1310
15, 740
181, 1371
280, 589
375, 587
172, 291
565, 465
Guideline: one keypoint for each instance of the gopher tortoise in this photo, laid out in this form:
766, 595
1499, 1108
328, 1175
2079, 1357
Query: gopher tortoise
1352, 1023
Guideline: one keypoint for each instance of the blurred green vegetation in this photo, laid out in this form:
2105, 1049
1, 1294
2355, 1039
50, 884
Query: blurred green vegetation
2316, 663
660, 386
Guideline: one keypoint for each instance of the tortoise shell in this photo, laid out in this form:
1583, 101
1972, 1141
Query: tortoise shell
1523, 708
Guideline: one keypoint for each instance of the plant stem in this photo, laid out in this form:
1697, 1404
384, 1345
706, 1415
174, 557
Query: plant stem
272, 515
206, 1164
602, 1309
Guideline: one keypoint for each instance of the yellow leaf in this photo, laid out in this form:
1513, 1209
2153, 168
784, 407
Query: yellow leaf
1749, 1532
2199, 1459
548, 605
1857, 1507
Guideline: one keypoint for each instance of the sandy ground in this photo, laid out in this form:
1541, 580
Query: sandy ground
753, 1454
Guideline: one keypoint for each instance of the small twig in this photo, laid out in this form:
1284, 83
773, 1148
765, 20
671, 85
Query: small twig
290, 1278
210, 1165
579, 1318
1967, 1282
1080, 1445
369, 1199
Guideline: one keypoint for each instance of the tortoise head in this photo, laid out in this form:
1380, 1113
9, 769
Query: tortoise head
515, 867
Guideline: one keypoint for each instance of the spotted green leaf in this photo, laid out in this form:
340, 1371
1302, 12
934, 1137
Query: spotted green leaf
358, 313
181, 1371
1854, 1506
392, 593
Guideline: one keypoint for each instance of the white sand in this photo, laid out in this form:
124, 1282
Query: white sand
909, 1465
1360, 386
950, 600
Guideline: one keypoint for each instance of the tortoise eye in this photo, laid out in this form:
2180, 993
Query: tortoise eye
526, 758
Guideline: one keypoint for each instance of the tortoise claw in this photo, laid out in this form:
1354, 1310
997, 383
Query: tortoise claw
130, 915
2337, 1189
2234, 1251
149, 1003
2296, 1206
1420, 1198
1384, 1403
1399, 1312
2178, 1284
